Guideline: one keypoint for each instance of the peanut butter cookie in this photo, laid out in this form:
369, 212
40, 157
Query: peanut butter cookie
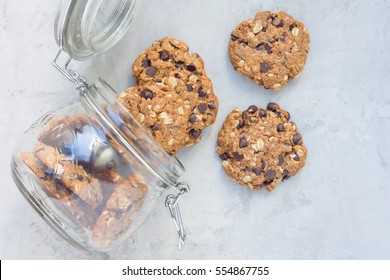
271, 49
259, 148
168, 63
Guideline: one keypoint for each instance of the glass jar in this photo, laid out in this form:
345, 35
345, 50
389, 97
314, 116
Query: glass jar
90, 169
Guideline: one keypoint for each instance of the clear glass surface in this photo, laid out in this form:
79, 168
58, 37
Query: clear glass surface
84, 28
91, 171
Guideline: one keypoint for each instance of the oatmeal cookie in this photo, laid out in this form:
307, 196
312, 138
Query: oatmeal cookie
168, 62
121, 207
259, 148
76, 207
271, 49
112, 225
73, 176
163, 113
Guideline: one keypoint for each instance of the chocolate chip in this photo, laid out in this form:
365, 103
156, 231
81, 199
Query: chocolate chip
244, 115
285, 174
251, 109
271, 40
264, 47
264, 67
192, 118
237, 156
68, 151
60, 187
267, 183
110, 165
212, 106
248, 169
257, 170
280, 160
49, 173
147, 94
263, 164
243, 143
177, 76
196, 133
296, 139
118, 215
224, 156
164, 55
234, 38
190, 87
244, 43
262, 113
261, 47
277, 22
288, 116
197, 73
158, 80
201, 92
191, 68
297, 158
270, 174
151, 71
155, 127
146, 63
280, 127
202, 107
241, 124
173, 45
179, 64
280, 38
272, 107
292, 26
265, 28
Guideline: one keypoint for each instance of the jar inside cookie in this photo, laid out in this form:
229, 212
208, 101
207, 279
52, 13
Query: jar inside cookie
92, 171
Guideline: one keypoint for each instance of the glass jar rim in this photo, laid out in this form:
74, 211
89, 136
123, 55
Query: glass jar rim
85, 28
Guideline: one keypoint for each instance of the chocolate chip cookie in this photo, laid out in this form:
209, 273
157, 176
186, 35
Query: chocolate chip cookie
76, 207
73, 176
271, 49
162, 112
120, 210
87, 182
259, 148
168, 63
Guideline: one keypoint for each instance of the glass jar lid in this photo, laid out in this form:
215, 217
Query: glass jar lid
84, 28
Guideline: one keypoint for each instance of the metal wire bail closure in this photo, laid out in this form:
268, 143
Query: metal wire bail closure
172, 202
73, 76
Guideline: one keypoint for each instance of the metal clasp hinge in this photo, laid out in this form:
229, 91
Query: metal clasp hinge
73, 76
172, 202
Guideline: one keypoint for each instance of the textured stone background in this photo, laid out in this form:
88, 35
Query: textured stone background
338, 205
